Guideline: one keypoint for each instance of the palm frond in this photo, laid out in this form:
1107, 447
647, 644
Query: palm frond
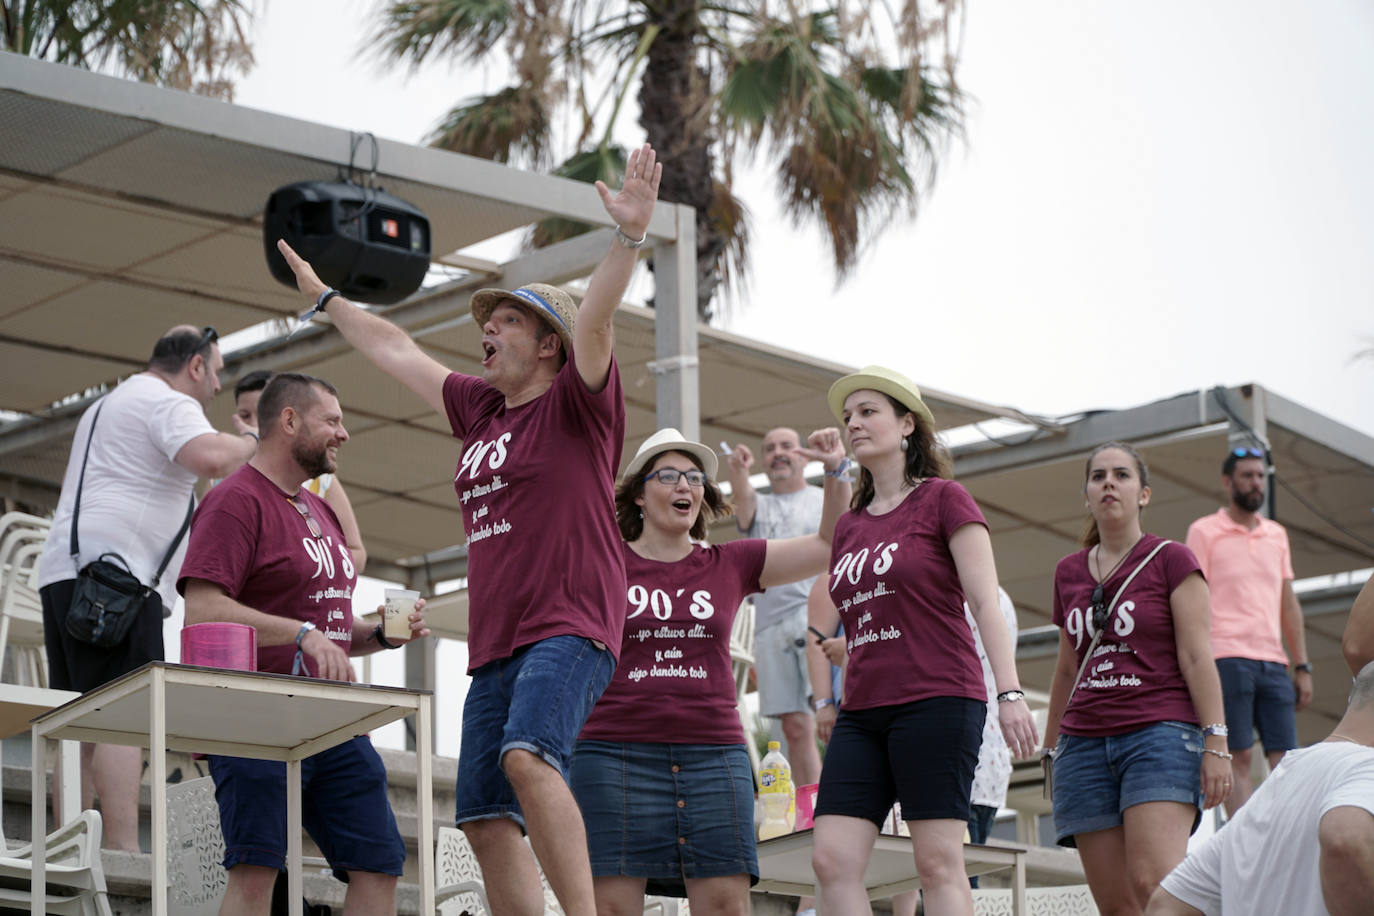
507, 126
414, 29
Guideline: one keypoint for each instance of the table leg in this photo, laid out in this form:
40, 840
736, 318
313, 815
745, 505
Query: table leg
1018, 886
157, 772
69, 752
424, 800
294, 889
39, 822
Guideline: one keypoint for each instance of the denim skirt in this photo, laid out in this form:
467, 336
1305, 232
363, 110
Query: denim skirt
666, 812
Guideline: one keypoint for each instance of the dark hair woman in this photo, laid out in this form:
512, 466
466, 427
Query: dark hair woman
660, 770
1133, 764
903, 562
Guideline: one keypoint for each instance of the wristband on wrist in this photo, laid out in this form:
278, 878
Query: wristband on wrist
325, 296
821, 703
1303, 666
1224, 755
382, 640
1216, 728
840, 469
1011, 696
249, 432
630, 241
305, 628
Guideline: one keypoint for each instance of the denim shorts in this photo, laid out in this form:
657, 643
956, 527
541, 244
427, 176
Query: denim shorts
667, 812
922, 754
1258, 694
344, 808
1095, 779
536, 700
780, 666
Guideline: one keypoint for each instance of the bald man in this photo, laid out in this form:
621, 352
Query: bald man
140, 449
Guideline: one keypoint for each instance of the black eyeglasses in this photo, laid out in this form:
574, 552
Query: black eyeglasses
208, 335
669, 477
1099, 608
1247, 453
310, 522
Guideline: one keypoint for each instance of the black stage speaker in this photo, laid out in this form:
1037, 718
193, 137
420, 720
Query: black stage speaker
367, 244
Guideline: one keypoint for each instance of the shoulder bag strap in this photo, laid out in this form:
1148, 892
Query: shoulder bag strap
1097, 637
185, 523
81, 482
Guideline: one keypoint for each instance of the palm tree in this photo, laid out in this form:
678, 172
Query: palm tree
852, 108
181, 44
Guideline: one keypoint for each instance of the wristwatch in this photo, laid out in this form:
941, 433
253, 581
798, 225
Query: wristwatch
1303, 666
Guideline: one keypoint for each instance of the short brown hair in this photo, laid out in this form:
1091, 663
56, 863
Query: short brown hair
288, 389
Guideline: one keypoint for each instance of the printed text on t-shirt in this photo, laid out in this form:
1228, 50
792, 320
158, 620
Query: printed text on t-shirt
1080, 623
494, 455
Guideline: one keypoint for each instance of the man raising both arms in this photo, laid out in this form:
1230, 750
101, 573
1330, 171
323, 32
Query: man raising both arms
542, 431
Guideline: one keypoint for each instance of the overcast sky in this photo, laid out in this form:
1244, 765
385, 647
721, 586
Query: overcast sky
1150, 199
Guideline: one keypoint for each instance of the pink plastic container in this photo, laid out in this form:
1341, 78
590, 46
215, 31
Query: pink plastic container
806, 806
220, 645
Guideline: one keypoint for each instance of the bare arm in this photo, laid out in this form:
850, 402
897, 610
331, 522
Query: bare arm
971, 547
1358, 642
337, 498
206, 602
821, 614
1065, 670
796, 558
216, 454
1290, 619
1346, 835
1191, 612
384, 344
742, 493
594, 333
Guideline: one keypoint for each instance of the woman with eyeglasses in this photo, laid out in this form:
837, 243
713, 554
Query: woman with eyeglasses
1136, 711
660, 770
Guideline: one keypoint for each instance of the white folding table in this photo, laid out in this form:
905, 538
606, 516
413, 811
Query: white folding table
166, 707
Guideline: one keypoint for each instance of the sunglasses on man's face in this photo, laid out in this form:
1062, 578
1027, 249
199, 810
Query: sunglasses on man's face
1247, 453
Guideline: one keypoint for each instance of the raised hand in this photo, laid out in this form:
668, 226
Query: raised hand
825, 446
741, 459
633, 206
306, 279
416, 619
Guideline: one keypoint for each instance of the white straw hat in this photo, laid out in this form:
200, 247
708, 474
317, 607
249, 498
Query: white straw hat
670, 440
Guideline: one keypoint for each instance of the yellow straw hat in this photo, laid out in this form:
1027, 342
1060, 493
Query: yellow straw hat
882, 379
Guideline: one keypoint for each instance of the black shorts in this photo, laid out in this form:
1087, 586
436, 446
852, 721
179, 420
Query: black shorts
922, 754
80, 666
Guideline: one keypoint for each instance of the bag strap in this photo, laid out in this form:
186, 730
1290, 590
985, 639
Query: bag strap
76, 509
81, 482
1097, 637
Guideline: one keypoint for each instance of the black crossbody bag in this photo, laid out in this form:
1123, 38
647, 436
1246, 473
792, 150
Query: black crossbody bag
1047, 762
108, 597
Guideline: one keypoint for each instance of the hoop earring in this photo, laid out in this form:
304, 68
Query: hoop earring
906, 444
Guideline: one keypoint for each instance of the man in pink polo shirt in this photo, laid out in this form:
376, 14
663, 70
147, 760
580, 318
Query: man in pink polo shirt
1249, 569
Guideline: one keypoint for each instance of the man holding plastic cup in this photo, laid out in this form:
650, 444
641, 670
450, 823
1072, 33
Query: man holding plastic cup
268, 553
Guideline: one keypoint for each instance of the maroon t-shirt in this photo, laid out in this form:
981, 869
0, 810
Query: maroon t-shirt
894, 582
247, 538
674, 683
536, 483
1134, 678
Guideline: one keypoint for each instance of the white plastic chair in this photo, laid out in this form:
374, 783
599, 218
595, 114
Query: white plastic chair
196, 877
741, 661
461, 889
72, 871
1069, 900
21, 610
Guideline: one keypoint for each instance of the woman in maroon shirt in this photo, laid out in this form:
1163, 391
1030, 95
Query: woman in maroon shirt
660, 770
903, 561
1133, 763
